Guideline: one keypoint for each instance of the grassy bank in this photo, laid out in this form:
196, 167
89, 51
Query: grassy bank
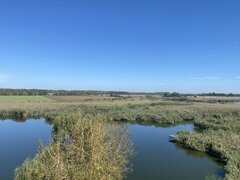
218, 135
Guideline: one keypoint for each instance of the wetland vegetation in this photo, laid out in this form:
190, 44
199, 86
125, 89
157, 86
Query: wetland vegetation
82, 146
217, 132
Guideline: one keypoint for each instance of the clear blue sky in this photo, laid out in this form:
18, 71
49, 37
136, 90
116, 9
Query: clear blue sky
131, 45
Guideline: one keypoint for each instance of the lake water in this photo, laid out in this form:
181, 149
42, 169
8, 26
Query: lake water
156, 157
236, 102
19, 140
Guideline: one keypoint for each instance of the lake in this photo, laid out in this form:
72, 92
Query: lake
156, 157
236, 102
19, 140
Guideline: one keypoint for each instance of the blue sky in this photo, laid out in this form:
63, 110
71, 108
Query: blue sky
130, 45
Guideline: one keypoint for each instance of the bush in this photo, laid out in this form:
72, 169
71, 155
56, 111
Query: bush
83, 147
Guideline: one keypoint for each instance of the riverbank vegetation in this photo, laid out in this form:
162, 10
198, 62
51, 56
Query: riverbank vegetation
217, 133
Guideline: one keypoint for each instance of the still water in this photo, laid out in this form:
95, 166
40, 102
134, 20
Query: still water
19, 140
236, 102
156, 157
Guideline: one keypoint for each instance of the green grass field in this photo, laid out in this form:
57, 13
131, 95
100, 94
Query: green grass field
24, 99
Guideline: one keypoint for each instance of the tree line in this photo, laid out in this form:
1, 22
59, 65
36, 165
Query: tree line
44, 92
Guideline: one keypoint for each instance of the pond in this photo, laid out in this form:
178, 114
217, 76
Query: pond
19, 140
156, 157
235, 102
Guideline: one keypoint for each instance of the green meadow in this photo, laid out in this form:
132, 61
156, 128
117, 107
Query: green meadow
24, 99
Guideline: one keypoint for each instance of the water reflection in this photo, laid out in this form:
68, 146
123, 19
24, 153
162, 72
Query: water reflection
20, 139
157, 158
236, 102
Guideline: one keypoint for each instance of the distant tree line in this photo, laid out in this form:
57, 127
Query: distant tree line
176, 94
44, 92
23, 92
219, 94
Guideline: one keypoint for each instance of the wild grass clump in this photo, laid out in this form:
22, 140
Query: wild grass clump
83, 147
161, 113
